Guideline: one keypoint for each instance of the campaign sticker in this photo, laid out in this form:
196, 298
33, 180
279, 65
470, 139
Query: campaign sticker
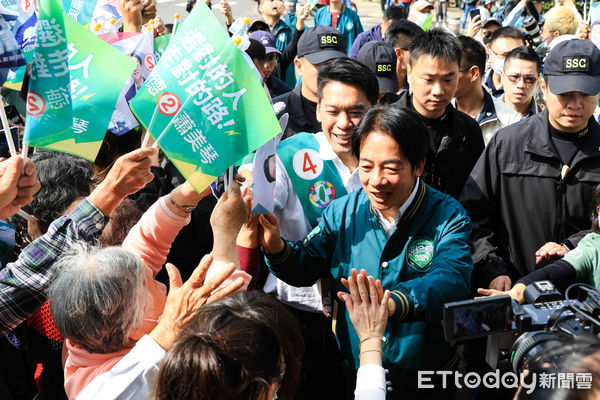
420, 254
321, 194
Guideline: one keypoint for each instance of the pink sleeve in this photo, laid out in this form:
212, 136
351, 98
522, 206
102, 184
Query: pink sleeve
152, 236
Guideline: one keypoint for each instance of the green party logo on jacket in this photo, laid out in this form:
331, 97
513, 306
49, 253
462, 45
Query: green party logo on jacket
420, 253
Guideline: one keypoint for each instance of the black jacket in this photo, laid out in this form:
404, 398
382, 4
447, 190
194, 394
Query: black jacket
449, 165
276, 86
298, 120
520, 196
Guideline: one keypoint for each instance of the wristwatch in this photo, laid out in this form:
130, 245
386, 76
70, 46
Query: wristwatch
185, 209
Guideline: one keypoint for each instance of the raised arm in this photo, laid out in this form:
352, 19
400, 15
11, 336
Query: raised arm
23, 283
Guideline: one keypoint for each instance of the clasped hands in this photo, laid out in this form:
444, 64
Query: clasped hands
368, 305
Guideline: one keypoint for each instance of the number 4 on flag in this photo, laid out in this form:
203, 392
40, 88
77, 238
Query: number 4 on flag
307, 164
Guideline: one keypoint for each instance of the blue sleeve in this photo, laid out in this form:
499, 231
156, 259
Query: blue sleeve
358, 43
422, 299
304, 262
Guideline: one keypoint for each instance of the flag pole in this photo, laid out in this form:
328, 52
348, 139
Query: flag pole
6, 127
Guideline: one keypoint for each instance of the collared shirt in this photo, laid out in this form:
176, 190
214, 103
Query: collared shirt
389, 227
532, 110
488, 84
23, 283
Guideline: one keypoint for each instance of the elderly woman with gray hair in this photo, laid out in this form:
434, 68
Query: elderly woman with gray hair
105, 300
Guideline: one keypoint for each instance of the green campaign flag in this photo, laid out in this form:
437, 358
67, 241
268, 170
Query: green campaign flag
203, 103
76, 121
80, 10
160, 45
49, 105
98, 73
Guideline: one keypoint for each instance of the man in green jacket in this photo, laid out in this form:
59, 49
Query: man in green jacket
400, 231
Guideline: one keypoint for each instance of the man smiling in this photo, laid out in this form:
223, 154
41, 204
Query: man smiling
312, 170
402, 232
455, 139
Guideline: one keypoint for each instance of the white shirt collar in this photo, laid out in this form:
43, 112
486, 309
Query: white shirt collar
325, 150
388, 226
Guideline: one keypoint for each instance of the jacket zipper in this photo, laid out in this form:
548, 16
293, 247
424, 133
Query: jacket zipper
560, 235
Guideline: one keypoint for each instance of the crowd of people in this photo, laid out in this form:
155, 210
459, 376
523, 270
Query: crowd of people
418, 167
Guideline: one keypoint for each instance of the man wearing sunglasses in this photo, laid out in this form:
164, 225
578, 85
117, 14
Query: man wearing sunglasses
520, 79
502, 41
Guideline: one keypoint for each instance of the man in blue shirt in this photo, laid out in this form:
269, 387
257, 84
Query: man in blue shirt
377, 32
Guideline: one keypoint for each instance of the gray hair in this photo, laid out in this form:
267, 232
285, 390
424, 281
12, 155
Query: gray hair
98, 295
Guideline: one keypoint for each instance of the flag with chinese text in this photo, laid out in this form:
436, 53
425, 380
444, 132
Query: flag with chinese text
75, 81
80, 10
49, 105
203, 103
98, 72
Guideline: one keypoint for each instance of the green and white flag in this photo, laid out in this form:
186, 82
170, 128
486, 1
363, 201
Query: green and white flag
160, 46
98, 72
203, 103
49, 104
75, 81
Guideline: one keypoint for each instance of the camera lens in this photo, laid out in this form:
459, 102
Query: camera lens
529, 345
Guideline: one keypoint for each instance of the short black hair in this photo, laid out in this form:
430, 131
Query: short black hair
404, 125
507, 32
525, 53
190, 5
64, 178
473, 53
436, 43
350, 72
400, 33
395, 13
256, 50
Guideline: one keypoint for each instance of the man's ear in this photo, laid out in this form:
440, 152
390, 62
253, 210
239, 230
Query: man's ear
298, 65
419, 167
398, 52
474, 73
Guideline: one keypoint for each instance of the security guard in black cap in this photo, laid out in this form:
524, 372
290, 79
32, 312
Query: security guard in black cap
316, 46
534, 182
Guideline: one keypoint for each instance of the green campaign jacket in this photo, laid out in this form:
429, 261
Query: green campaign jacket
426, 262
